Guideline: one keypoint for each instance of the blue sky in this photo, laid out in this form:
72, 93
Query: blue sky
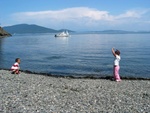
78, 14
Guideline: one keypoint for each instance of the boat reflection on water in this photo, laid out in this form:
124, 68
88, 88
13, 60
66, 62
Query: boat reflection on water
62, 40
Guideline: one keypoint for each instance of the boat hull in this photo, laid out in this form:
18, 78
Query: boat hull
61, 35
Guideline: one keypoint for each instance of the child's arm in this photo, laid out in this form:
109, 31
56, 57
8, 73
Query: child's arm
113, 52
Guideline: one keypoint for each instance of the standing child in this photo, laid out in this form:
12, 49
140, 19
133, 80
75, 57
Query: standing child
15, 67
116, 64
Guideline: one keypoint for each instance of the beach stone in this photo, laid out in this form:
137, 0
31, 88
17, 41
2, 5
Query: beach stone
31, 93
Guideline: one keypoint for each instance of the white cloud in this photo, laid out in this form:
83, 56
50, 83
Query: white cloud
131, 14
65, 14
76, 17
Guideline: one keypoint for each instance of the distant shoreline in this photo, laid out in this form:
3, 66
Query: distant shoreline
33, 28
79, 77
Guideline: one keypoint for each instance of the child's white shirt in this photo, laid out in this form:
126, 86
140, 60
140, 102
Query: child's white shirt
117, 59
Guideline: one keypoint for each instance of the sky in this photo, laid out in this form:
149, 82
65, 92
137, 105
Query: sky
78, 15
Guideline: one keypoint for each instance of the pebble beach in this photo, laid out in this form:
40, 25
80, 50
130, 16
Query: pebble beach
32, 93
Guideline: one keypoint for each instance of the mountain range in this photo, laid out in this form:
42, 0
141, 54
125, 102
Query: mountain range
26, 28
119, 32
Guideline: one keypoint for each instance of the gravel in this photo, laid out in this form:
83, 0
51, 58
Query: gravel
31, 93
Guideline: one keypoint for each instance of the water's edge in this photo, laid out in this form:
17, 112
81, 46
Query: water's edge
79, 77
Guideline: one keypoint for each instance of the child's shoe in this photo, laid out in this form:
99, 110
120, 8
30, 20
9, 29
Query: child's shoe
118, 80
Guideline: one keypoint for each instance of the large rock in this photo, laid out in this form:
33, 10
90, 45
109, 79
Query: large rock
4, 33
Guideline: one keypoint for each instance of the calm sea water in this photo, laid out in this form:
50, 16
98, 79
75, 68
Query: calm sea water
80, 54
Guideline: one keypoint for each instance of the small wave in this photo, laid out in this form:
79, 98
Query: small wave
54, 57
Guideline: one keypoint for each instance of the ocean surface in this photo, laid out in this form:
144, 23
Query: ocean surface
78, 55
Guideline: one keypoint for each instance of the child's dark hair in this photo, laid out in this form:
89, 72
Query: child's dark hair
17, 59
117, 52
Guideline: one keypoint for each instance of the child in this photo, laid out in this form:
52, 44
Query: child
15, 68
116, 64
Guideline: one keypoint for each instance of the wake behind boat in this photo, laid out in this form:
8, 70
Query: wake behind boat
62, 34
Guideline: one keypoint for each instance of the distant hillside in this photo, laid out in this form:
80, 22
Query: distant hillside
119, 32
115, 31
25, 28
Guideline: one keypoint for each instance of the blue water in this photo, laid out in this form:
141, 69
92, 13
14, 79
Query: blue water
80, 54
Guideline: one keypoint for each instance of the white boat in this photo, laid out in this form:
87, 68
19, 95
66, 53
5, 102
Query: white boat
62, 34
